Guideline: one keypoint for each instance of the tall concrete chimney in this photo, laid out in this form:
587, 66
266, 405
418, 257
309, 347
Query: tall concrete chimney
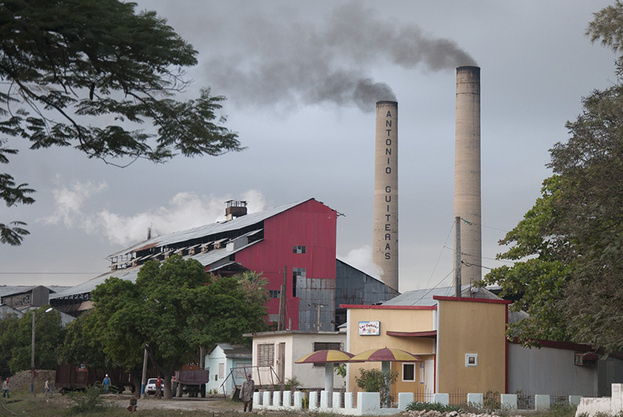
385, 233
467, 172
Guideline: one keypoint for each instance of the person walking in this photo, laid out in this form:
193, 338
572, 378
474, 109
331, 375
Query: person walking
48, 388
159, 387
106, 384
246, 393
5, 388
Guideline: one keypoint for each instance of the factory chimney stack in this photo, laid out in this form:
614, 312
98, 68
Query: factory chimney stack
385, 226
467, 196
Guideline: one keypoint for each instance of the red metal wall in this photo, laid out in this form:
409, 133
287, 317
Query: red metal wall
310, 224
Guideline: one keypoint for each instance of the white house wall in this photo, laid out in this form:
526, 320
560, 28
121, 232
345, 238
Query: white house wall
212, 364
297, 345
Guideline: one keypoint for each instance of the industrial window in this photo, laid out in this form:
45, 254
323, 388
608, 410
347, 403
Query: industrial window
296, 272
265, 354
408, 372
299, 249
274, 293
327, 345
324, 346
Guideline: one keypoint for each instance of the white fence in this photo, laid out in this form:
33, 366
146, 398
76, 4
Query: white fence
370, 402
607, 406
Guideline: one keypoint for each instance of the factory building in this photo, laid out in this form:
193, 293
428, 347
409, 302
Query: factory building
293, 247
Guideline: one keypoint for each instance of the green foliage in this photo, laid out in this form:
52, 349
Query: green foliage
86, 402
418, 406
292, 383
491, 401
16, 341
174, 308
340, 370
83, 343
375, 380
91, 74
568, 249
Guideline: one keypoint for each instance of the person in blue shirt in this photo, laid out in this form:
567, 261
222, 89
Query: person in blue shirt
106, 384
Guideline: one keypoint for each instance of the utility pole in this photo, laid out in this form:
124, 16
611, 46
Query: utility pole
457, 267
281, 325
32, 356
144, 380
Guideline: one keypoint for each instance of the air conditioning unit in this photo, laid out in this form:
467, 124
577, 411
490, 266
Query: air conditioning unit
585, 358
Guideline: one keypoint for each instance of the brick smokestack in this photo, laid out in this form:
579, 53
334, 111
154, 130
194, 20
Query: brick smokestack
467, 194
385, 233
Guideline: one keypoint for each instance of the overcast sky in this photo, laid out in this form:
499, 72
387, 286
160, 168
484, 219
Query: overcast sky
292, 72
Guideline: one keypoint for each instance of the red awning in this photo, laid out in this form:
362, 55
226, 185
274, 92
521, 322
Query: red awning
431, 333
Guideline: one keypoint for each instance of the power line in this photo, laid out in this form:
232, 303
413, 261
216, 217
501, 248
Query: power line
50, 273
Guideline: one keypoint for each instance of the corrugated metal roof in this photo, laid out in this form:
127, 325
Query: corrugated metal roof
131, 274
206, 230
19, 289
425, 297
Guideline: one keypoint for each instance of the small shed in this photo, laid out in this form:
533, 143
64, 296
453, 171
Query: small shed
228, 365
275, 353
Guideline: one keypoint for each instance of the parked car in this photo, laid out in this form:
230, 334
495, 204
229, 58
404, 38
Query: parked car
150, 387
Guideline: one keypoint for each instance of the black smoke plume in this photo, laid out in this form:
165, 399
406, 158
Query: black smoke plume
291, 62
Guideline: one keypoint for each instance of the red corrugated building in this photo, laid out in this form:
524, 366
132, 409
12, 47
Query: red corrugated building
293, 244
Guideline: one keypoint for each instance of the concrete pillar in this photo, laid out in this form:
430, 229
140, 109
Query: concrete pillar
276, 398
349, 401
287, 399
441, 398
324, 399
368, 403
313, 400
298, 399
467, 193
475, 399
508, 401
541, 402
385, 227
404, 399
257, 400
337, 400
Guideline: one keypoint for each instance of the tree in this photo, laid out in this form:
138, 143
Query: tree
174, 308
571, 242
90, 74
16, 340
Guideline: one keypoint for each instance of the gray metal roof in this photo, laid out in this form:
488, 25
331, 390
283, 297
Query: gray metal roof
210, 229
131, 274
19, 289
425, 297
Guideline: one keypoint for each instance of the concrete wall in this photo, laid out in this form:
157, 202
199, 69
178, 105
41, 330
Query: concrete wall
474, 328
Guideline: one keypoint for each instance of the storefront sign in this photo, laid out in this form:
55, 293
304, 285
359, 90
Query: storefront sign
369, 328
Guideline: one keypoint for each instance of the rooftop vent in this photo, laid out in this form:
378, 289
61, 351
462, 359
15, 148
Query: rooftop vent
235, 208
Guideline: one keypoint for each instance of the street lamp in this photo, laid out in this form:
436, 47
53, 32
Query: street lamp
144, 380
32, 352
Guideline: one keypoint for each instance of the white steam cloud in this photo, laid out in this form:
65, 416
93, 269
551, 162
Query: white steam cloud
361, 258
184, 211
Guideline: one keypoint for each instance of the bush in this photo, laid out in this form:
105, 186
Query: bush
417, 406
374, 380
87, 402
292, 383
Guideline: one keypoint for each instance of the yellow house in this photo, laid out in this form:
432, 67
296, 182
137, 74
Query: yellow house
460, 341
